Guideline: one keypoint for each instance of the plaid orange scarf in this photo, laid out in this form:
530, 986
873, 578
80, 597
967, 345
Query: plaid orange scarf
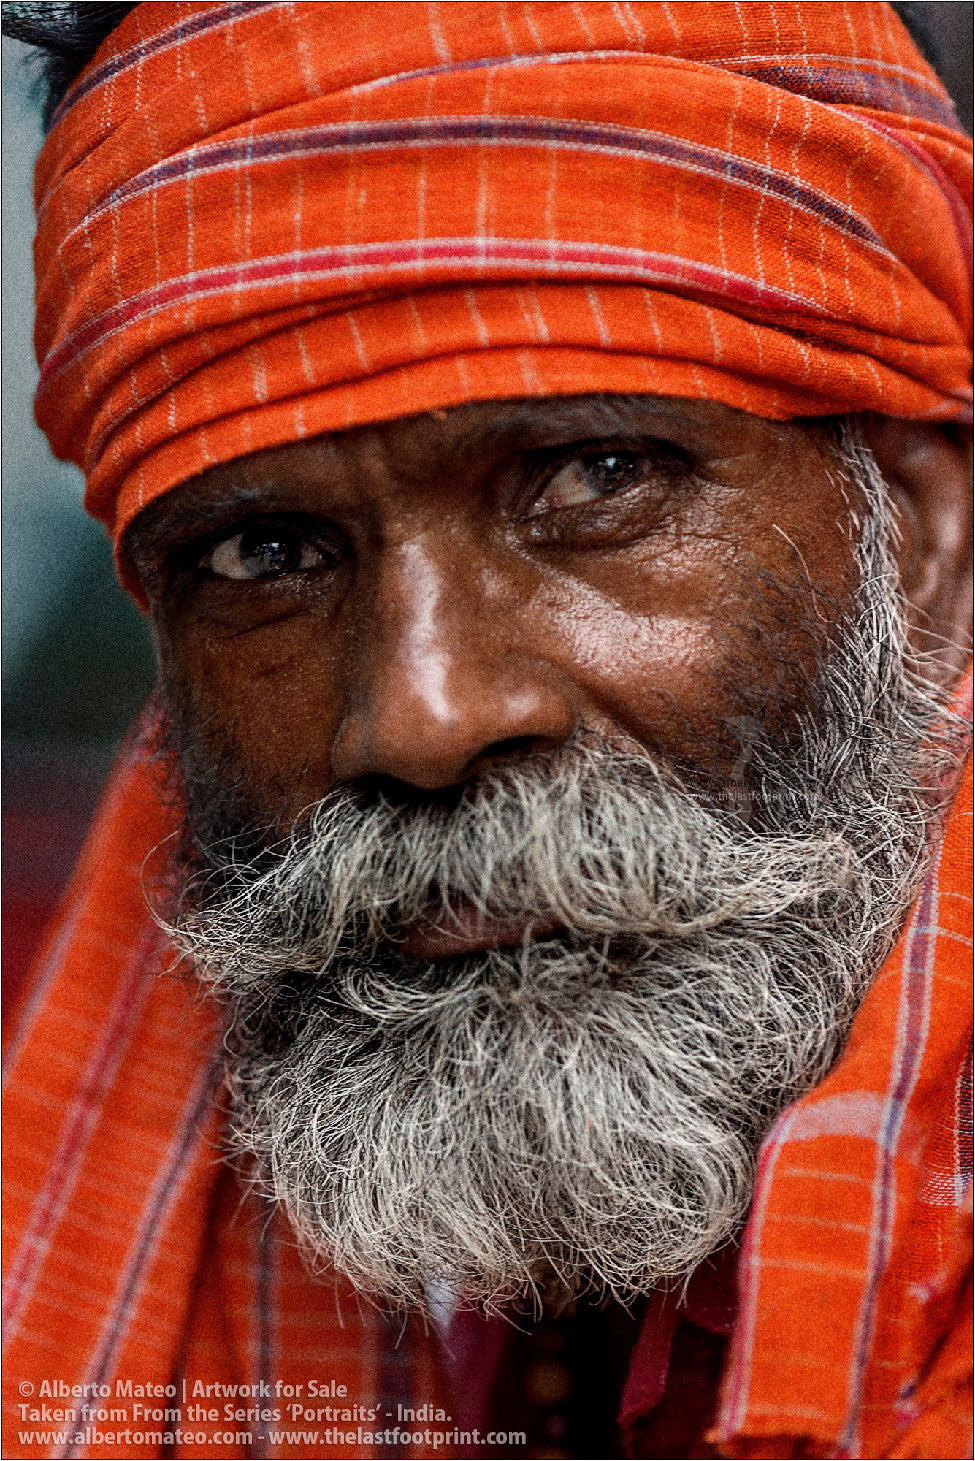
854, 1334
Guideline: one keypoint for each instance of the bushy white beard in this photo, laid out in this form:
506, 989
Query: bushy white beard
585, 1107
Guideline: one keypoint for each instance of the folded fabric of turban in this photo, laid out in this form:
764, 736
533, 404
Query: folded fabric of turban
259, 222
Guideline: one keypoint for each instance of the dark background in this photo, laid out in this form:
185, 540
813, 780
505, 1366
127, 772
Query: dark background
77, 656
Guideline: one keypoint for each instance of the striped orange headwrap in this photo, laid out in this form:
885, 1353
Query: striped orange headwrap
263, 221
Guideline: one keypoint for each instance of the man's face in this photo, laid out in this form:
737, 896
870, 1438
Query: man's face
577, 748
418, 600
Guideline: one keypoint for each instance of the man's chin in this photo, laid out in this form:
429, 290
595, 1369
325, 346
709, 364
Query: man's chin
540, 1120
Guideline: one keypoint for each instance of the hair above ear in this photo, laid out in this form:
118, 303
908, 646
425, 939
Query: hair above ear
927, 468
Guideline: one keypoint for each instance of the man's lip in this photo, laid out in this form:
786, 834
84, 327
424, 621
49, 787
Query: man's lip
445, 933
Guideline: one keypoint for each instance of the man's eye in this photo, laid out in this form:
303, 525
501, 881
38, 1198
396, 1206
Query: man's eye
589, 478
263, 552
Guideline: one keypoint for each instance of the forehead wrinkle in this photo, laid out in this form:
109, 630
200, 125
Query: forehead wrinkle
469, 430
416, 448
491, 425
570, 415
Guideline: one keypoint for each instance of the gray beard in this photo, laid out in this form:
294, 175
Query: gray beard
584, 1109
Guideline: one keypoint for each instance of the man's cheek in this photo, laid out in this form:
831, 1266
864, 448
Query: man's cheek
665, 650
266, 702
636, 668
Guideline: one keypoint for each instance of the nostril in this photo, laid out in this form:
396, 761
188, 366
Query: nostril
404, 795
514, 746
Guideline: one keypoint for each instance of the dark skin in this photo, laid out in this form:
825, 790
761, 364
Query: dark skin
413, 601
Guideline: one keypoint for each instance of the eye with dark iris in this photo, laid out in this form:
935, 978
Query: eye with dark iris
263, 551
590, 477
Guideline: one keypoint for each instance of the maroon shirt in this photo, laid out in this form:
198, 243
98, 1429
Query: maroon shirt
599, 1381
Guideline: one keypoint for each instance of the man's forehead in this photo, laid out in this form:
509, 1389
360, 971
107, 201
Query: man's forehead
439, 444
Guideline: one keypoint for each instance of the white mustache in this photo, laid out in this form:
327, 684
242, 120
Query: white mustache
598, 840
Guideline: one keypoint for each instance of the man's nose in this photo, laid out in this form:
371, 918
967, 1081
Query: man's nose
442, 683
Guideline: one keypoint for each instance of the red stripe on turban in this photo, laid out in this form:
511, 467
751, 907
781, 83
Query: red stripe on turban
260, 222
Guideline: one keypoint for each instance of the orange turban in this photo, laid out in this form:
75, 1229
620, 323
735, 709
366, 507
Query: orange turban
263, 221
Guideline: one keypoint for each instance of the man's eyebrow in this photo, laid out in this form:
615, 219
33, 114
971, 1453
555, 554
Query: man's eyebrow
195, 511
580, 417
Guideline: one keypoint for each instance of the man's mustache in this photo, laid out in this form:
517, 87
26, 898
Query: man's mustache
593, 840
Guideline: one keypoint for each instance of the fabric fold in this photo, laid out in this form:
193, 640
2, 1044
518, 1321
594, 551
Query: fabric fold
353, 222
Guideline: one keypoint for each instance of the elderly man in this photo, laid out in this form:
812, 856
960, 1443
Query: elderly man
537, 435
